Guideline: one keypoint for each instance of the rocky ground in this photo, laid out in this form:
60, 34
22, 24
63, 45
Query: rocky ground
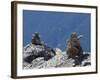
59, 60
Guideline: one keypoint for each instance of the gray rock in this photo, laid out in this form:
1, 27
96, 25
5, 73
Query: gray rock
59, 60
32, 52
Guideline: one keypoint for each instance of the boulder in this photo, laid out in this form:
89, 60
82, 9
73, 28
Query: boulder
32, 52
